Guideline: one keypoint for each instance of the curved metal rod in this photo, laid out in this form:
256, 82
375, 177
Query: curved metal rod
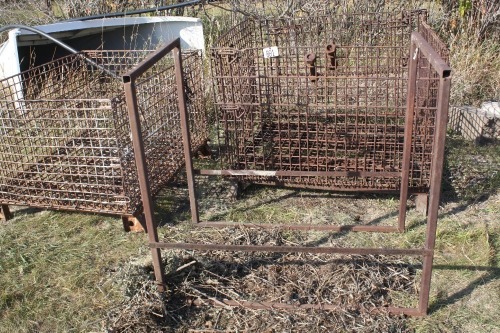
137, 12
61, 44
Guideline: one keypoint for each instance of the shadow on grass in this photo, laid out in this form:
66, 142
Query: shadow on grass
20, 211
471, 175
471, 172
492, 274
173, 207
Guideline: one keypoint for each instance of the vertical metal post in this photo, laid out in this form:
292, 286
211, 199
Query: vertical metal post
408, 135
5, 212
186, 137
142, 173
435, 188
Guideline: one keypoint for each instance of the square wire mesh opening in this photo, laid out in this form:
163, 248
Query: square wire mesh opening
323, 94
66, 138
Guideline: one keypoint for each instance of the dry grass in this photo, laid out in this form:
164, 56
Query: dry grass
57, 270
295, 279
466, 278
476, 75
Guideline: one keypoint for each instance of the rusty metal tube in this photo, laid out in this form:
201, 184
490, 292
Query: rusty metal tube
310, 60
331, 52
303, 227
5, 212
439, 65
290, 249
285, 306
140, 156
186, 137
408, 137
435, 191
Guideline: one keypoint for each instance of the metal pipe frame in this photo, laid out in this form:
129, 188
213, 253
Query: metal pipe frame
129, 84
419, 46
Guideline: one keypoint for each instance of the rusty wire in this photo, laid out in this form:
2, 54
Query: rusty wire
334, 100
66, 139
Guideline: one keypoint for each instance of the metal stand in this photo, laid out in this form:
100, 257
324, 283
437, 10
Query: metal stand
421, 55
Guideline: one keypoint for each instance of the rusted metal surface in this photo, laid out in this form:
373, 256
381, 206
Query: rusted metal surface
132, 224
332, 100
5, 213
138, 84
305, 306
434, 41
66, 137
353, 126
294, 249
317, 227
438, 73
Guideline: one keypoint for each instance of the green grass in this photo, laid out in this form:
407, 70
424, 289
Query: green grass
472, 172
65, 271
57, 270
465, 294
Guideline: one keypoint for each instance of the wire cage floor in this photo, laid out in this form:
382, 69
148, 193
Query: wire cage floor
65, 137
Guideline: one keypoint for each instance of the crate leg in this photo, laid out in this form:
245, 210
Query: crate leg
204, 151
5, 213
422, 203
132, 224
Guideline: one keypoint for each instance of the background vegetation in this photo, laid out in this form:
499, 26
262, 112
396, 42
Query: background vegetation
471, 28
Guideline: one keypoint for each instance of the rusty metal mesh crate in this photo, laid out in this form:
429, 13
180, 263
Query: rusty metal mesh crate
355, 102
65, 137
333, 100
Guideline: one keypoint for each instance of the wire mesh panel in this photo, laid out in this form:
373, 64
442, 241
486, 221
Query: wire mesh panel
66, 139
160, 121
325, 96
294, 116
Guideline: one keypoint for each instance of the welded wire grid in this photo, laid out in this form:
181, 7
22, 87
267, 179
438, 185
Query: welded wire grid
65, 136
160, 121
425, 110
334, 99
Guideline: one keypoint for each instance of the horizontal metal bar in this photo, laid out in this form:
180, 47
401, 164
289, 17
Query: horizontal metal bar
306, 306
279, 173
231, 106
361, 228
137, 12
434, 58
331, 188
289, 249
151, 60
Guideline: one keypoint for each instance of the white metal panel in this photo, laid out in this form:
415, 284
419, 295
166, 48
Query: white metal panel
110, 33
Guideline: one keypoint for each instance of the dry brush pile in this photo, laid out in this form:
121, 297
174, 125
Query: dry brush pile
198, 281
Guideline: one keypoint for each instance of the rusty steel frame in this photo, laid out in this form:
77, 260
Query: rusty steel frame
241, 99
300, 177
420, 52
310, 110
5, 212
130, 87
65, 137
